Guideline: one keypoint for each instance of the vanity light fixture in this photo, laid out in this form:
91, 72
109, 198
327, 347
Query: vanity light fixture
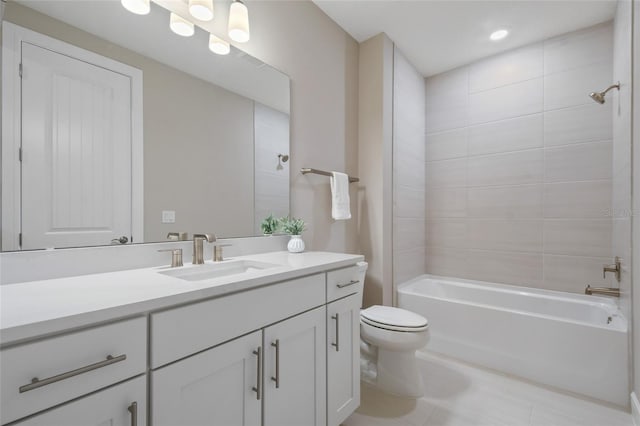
219, 46
201, 9
180, 26
239, 22
498, 35
139, 7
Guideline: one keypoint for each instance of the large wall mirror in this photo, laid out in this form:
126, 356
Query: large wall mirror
117, 130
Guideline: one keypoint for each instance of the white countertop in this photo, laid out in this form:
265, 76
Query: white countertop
38, 308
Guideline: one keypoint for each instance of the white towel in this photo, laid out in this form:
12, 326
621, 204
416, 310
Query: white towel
340, 203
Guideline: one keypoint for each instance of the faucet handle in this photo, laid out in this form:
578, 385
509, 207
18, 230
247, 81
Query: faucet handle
217, 252
176, 257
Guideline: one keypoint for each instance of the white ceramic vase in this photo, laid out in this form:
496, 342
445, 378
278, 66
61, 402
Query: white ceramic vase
296, 244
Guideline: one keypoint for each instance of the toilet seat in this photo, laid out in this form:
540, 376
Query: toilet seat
394, 319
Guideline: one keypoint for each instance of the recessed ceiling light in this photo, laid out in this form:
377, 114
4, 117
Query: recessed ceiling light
498, 35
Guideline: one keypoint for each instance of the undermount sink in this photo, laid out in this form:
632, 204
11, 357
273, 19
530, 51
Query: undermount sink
216, 270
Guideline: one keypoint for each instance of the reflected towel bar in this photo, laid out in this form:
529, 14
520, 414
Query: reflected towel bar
323, 173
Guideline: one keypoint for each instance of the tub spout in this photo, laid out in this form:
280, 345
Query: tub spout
606, 291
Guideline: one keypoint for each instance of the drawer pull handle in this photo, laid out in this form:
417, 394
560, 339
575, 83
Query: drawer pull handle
276, 379
352, 282
258, 388
37, 383
337, 343
133, 409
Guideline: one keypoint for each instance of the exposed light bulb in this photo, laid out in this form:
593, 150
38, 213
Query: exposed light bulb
201, 9
180, 26
498, 35
139, 7
219, 46
239, 22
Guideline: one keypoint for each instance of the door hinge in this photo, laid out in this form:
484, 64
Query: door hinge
20, 154
20, 69
20, 239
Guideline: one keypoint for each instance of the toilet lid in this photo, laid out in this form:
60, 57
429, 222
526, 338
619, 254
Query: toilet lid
394, 318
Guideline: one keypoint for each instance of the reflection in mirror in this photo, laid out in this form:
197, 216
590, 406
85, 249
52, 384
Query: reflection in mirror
117, 130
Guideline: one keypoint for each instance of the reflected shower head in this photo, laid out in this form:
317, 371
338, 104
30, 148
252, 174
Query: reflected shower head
282, 158
599, 96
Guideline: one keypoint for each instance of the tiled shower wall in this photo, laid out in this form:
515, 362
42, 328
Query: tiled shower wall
408, 170
519, 165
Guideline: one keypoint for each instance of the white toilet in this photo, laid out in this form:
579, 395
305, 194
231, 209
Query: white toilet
389, 338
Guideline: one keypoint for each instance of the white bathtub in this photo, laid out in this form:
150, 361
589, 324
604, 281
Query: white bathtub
569, 341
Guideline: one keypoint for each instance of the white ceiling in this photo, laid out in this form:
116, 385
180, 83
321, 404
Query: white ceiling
439, 35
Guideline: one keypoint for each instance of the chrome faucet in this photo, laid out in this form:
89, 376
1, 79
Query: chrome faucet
615, 268
605, 291
198, 247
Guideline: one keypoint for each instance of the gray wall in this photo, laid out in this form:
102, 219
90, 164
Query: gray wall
321, 59
409, 236
519, 172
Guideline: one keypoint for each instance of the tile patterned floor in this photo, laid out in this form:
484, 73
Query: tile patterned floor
457, 394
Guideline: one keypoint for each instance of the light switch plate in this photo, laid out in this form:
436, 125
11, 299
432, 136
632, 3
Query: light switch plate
168, 216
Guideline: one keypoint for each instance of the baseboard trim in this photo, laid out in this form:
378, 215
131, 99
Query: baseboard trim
635, 409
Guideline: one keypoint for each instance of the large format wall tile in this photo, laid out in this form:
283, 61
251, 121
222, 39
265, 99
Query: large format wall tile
519, 176
505, 235
447, 173
579, 48
511, 67
513, 134
589, 161
589, 199
578, 237
505, 202
572, 87
447, 145
504, 102
446, 202
505, 267
589, 122
513, 168
447, 100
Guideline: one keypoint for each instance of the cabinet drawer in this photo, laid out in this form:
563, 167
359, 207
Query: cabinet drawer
180, 332
69, 366
343, 282
113, 406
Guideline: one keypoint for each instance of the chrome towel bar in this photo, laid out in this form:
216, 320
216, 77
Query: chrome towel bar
306, 170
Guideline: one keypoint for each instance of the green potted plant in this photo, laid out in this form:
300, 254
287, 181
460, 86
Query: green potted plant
294, 227
270, 225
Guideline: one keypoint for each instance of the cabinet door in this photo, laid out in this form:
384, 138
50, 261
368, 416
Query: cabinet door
343, 358
214, 387
295, 371
121, 405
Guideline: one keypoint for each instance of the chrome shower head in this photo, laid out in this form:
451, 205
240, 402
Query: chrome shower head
284, 158
599, 96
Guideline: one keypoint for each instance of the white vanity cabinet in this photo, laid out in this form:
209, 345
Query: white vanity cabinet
295, 371
120, 405
216, 387
283, 351
343, 358
45, 373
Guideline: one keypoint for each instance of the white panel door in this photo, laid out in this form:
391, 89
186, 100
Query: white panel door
295, 371
121, 405
214, 387
76, 151
343, 358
